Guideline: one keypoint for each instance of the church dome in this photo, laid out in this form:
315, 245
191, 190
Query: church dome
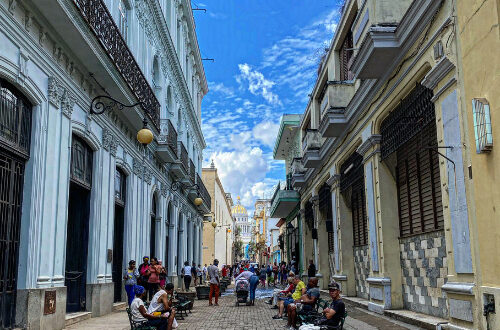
239, 210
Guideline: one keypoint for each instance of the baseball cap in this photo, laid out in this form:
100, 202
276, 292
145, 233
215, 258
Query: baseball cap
333, 286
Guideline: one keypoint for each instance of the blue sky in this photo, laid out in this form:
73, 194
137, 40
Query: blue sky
266, 55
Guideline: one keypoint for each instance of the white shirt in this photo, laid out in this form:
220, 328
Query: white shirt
134, 310
204, 270
155, 306
187, 270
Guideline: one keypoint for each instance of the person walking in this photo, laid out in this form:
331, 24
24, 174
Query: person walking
194, 275
154, 277
198, 273
130, 275
213, 276
186, 274
311, 270
205, 273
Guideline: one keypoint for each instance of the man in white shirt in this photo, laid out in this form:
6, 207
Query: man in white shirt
213, 276
205, 273
141, 316
162, 302
186, 273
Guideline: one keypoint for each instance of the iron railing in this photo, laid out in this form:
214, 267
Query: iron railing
192, 171
100, 21
168, 135
183, 157
203, 191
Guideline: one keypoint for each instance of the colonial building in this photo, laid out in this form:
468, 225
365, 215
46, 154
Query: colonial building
397, 123
219, 224
241, 221
80, 196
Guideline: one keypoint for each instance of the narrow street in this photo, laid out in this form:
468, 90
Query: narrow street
228, 316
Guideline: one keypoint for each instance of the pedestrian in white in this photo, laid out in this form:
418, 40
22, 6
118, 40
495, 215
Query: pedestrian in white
205, 273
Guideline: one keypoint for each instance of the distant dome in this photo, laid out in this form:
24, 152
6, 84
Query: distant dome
238, 209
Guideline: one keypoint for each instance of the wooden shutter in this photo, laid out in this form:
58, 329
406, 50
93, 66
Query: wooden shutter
358, 209
346, 53
418, 183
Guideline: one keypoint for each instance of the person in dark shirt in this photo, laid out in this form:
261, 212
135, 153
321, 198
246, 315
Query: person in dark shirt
336, 311
311, 270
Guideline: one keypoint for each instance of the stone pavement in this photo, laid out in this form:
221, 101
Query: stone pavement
228, 316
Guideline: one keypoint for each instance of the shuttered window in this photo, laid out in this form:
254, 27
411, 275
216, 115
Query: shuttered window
418, 183
352, 186
346, 56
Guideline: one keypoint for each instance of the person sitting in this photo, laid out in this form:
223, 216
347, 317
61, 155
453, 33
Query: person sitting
281, 294
307, 302
162, 303
333, 313
140, 314
300, 289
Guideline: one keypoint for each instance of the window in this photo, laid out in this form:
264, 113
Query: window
123, 19
81, 162
346, 56
419, 185
482, 125
119, 187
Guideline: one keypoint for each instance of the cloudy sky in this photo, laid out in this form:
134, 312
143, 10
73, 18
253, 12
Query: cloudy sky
266, 54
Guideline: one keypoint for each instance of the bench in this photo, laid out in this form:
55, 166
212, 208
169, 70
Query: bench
182, 306
134, 325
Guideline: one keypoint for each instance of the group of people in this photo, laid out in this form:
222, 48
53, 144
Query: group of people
299, 298
272, 274
150, 278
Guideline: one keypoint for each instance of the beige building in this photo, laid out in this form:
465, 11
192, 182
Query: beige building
218, 226
397, 123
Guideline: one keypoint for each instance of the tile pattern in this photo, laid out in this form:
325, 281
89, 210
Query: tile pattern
361, 270
424, 270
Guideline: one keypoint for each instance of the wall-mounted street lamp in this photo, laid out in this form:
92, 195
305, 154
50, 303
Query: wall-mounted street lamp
177, 184
102, 103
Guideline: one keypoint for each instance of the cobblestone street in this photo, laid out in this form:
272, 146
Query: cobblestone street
228, 316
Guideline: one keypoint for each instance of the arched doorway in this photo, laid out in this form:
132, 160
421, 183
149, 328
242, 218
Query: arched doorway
117, 270
15, 136
78, 224
152, 239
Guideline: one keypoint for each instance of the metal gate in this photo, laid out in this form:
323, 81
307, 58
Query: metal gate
15, 132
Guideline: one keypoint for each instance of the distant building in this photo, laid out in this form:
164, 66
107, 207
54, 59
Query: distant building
218, 227
241, 221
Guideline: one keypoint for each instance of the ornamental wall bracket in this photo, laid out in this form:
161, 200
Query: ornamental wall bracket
333, 181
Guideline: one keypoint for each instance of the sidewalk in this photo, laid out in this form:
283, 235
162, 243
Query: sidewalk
228, 316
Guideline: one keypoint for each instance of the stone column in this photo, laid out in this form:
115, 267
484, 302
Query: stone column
385, 285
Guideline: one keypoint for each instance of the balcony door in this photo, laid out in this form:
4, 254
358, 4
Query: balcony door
117, 269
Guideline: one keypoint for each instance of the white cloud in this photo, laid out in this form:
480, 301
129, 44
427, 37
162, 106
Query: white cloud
220, 88
257, 83
266, 133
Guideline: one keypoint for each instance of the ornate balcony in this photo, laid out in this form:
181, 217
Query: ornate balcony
100, 21
167, 141
311, 143
207, 200
337, 96
192, 172
298, 172
180, 168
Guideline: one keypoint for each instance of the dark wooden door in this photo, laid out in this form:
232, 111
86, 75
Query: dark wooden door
117, 270
77, 247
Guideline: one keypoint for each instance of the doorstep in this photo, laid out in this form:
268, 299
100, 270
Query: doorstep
119, 306
73, 318
421, 320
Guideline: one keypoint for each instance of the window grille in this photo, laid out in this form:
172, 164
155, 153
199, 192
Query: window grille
482, 125
119, 187
81, 162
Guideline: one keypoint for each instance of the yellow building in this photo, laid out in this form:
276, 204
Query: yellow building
218, 225
479, 75
388, 206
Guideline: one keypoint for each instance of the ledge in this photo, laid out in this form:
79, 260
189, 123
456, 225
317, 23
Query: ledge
379, 280
459, 288
340, 277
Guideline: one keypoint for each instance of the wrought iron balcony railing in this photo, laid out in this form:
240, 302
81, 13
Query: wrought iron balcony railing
183, 157
203, 191
168, 135
192, 171
101, 23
